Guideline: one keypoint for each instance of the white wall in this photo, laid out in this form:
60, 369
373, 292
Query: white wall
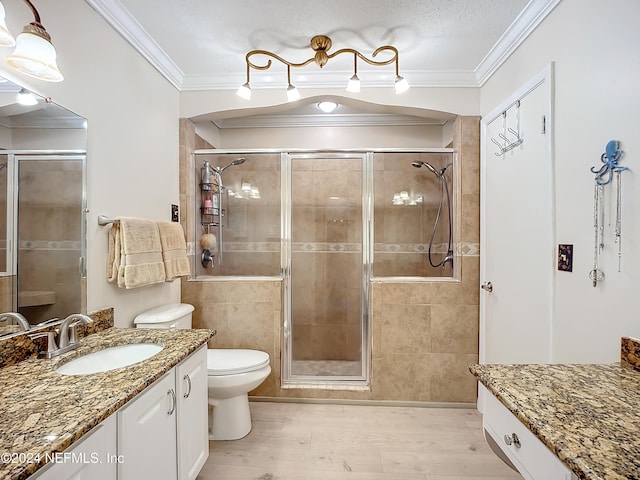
458, 101
333, 137
49, 139
596, 49
132, 146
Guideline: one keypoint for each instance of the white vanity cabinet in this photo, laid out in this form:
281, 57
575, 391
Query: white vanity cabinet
192, 421
159, 434
528, 454
92, 458
147, 433
162, 433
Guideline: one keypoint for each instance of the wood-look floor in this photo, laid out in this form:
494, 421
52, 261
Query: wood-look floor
292, 441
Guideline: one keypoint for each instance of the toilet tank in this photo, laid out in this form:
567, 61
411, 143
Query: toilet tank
173, 315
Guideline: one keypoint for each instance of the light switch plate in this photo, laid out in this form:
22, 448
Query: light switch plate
565, 257
175, 216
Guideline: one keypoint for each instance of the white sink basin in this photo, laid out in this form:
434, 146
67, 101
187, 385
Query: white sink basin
109, 359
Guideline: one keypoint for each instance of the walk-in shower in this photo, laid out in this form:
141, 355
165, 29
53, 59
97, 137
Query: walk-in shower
328, 225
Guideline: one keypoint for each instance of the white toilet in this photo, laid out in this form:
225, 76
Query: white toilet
233, 373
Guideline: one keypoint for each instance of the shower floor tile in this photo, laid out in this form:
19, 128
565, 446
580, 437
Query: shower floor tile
292, 441
326, 368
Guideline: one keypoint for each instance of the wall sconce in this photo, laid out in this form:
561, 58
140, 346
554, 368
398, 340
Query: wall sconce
321, 44
34, 54
6, 39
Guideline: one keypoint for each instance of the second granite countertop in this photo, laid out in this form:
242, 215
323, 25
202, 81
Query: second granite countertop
587, 415
45, 412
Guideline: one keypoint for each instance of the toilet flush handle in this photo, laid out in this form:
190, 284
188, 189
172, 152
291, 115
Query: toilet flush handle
487, 286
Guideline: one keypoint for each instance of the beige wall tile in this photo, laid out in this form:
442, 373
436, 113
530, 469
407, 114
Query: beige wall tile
454, 329
406, 293
406, 329
451, 380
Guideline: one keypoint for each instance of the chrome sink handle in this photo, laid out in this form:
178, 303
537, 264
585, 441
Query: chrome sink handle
51, 347
20, 320
63, 338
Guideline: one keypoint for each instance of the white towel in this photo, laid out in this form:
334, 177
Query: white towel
174, 250
135, 253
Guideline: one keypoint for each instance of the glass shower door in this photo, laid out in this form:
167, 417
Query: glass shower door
328, 297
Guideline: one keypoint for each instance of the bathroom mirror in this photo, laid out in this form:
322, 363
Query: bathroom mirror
42, 209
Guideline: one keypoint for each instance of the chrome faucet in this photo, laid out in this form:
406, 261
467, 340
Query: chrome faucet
68, 335
20, 320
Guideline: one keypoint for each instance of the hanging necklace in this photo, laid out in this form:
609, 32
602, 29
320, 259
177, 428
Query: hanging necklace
603, 177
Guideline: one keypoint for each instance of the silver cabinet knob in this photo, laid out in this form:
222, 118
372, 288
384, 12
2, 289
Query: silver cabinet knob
512, 439
487, 286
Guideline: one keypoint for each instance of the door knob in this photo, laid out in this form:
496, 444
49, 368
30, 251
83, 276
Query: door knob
487, 286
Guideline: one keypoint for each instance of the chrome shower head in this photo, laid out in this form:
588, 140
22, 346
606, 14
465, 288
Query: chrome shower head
237, 161
425, 164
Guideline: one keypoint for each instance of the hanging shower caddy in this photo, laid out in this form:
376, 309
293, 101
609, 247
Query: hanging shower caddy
211, 213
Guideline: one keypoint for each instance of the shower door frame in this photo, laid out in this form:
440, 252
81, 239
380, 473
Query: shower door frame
288, 378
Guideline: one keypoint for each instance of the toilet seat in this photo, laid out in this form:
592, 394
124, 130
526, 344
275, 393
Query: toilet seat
231, 361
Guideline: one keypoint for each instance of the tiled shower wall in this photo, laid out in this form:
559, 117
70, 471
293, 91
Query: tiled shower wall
424, 334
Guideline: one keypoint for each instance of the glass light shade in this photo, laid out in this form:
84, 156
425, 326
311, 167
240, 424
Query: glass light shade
244, 91
292, 93
327, 107
25, 97
36, 57
401, 85
6, 39
354, 84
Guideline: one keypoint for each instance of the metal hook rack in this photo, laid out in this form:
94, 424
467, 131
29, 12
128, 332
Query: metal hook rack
508, 144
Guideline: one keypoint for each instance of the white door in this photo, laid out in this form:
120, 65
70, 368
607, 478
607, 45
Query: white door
517, 251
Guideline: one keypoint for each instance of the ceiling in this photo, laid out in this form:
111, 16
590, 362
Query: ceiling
201, 44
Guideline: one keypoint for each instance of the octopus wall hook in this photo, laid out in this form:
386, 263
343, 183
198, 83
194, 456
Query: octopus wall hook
610, 159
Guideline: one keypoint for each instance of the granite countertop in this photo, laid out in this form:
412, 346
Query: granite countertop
45, 412
588, 415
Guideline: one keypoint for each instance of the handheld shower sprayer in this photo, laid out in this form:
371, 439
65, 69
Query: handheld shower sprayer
444, 190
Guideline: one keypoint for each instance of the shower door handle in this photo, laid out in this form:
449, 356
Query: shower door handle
487, 286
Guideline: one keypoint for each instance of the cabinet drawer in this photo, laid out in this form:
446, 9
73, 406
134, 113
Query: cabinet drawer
530, 456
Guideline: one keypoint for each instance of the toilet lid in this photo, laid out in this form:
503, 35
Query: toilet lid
229, 361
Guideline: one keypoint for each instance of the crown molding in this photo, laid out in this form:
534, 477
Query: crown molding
531, 16
127, 26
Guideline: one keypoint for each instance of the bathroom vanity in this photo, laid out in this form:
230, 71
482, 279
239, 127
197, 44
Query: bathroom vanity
565, 422
129, 422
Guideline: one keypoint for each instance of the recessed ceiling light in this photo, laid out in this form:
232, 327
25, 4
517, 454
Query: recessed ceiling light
25, 97
327, 107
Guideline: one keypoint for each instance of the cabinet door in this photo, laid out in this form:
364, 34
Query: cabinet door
147, 433
193, 437
94, 457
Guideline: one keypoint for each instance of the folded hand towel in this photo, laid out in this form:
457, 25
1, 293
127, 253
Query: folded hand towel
174, 250
139, 263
